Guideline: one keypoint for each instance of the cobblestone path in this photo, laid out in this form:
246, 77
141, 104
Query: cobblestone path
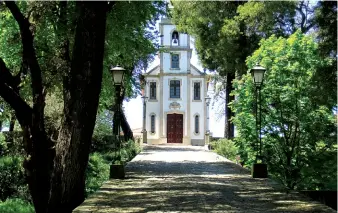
191, 179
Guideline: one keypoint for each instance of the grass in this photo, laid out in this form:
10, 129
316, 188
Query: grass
16, 206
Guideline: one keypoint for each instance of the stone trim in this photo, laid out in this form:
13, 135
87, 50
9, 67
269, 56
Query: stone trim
175, 99
175, 74
205, 107
148, 93
177, 48
199, 124
179, 60
152, 133
193, 89
161, 107
188, 106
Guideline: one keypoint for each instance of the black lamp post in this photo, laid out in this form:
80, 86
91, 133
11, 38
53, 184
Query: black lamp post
259, 170
118, 74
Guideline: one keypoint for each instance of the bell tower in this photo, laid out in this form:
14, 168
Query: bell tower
177, 52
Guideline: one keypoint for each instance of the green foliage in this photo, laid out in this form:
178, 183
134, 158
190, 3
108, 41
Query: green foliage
98, 166
326, 34
3, 144
11, 143
298, 133
226, 148
12, 179
102, 136
16, 206
97, 172
129, 150
132, 43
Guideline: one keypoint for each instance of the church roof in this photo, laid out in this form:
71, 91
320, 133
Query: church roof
156, 68
199, 71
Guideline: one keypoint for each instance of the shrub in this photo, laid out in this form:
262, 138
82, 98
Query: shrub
98, 166
226, 148
12, 179
16, 206
3, 144
11, 143
97, 172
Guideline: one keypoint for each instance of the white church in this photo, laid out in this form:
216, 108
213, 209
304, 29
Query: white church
175, 111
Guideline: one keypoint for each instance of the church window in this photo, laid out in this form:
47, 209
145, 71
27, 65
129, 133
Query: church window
197, 91
175, 89
197, 124
174, 38
152, 91
152, 123
175, 61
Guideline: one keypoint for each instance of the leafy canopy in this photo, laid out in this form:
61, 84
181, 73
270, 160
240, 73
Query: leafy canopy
298, 133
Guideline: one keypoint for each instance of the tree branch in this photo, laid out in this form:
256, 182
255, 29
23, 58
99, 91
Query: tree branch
9, 92
29, 58
22, 109
29, 54
6, 76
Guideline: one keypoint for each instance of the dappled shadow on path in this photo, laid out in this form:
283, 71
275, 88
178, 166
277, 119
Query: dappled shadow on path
201, 185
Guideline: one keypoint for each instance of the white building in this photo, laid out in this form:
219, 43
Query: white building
176, 91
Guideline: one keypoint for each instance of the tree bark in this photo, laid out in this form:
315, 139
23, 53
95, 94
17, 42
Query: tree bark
128, 134
81, 90
119, 116
38, 147
229, 126
56, 177
12, 123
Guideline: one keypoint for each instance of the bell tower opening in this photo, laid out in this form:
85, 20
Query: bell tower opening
174, 39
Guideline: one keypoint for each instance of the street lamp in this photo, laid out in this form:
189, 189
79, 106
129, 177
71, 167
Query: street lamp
144, 130
257, 73
259, 170
207, 132
118, 74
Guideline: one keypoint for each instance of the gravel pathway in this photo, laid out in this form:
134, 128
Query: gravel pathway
191, 179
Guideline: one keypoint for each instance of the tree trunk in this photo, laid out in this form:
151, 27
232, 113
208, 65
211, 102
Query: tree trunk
12, 123
229, 126
82, 87
128, 134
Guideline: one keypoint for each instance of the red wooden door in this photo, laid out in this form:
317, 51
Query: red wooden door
175, 128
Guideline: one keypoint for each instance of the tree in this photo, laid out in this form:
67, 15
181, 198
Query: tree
227, 32
56, 177
297, 132
47, 67
325, 21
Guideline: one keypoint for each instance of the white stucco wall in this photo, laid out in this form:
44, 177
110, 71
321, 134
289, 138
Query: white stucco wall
153, 107
167, 31
197, 108
182, 101
183, 62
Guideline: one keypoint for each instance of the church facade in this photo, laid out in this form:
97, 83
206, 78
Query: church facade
176, 90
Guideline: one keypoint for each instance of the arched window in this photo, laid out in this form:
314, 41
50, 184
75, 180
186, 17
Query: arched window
197, 124
175, 38
152, 123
